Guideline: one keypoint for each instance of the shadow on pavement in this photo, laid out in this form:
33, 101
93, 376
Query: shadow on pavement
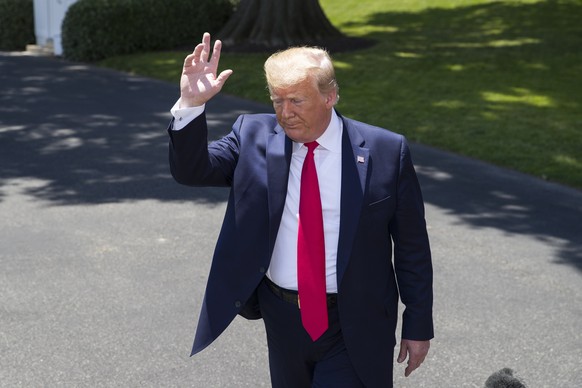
485, 196
86, 136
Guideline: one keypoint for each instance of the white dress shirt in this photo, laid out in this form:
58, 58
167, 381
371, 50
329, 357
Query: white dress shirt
182, 116
328, 163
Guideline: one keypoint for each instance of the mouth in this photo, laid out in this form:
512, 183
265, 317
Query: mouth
291, 125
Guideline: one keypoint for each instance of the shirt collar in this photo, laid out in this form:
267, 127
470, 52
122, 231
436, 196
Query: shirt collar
331, 138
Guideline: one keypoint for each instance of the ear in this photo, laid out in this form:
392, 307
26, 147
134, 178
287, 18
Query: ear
330, 99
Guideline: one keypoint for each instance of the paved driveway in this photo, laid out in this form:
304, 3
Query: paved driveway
103, 258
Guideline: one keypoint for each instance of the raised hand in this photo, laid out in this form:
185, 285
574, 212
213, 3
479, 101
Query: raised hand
199, 82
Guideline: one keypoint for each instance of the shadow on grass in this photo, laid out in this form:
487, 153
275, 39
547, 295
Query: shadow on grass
83, 136
499, 82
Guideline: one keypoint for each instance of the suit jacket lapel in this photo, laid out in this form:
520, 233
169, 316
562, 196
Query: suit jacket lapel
355, 159
279, 149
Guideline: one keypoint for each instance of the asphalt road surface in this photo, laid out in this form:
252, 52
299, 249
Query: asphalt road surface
104, 258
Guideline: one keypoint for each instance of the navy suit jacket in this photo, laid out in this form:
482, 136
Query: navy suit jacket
382, 212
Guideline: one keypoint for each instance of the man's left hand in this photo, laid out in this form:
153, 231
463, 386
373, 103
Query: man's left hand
416, 352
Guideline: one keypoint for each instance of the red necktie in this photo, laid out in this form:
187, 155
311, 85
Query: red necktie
311, 251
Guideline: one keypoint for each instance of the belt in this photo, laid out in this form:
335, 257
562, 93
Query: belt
293, 297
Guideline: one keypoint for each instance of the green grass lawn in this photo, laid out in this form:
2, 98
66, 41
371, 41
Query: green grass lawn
499, 81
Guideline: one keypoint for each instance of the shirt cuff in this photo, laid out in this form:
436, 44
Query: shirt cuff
183, 116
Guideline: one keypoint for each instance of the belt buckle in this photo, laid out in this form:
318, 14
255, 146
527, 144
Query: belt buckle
298, 303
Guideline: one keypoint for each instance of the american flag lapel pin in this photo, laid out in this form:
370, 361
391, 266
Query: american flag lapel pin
360, 159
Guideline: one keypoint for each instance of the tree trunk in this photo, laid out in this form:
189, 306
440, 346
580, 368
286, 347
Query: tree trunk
277, 24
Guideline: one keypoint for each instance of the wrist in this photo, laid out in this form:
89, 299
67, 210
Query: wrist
189, 103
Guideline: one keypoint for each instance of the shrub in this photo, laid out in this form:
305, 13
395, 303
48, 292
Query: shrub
97, 29
16, 24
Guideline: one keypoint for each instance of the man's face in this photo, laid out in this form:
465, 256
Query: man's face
302, 111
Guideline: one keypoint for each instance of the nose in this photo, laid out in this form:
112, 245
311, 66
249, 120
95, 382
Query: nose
287, 109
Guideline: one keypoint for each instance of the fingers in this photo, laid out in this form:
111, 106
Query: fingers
205, 47
194, 58
416, 352
201, 53
413, 364
409, 369
216, 54
402, 356
223, 76
199, 81
403, 353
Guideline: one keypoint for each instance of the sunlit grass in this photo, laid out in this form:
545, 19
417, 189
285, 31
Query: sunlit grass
495, 80
519, 96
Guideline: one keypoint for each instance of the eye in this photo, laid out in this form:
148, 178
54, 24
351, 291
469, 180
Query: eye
296, 101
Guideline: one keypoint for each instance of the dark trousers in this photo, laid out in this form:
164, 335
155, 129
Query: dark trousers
295, 361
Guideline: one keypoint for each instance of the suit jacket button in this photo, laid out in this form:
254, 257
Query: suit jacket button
237, 304
262, 270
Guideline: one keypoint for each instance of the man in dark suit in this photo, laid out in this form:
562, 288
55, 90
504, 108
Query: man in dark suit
318, 203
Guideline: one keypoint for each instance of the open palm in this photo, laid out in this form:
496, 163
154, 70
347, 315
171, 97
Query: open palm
199, 82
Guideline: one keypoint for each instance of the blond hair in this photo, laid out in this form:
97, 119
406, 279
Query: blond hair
296, 64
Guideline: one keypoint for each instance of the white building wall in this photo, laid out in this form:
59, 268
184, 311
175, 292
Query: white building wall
48, 18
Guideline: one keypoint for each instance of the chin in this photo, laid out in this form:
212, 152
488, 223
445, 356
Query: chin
295, 134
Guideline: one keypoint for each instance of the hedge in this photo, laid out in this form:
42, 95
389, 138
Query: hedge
97, 29
16, 24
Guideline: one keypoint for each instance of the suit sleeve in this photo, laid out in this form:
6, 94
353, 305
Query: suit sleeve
412, 256
194, 162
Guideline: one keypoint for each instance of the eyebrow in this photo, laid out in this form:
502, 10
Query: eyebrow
295, 96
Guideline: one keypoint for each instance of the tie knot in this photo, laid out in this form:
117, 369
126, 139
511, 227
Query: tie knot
311, 146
